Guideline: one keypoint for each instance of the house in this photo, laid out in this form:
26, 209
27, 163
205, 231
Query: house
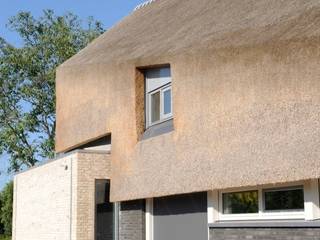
188, 120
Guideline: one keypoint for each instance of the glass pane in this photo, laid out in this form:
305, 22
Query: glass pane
287, 199
155, 107
167, 101
104, 215
240, 202
156, 78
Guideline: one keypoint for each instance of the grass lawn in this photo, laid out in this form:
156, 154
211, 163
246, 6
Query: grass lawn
4, 237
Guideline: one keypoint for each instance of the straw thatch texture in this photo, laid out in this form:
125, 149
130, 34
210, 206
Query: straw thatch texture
174, 26
245, 95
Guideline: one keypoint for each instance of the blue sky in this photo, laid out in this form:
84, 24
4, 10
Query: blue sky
107, 11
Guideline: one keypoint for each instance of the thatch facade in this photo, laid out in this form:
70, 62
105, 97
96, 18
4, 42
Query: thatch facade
246, 83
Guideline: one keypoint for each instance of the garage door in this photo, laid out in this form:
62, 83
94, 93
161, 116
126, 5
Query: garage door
181, 217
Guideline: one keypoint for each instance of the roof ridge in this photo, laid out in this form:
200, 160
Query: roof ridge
141, 5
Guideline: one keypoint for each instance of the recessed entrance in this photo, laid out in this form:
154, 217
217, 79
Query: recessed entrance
106, 213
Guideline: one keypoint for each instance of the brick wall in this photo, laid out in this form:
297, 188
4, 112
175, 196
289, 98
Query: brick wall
42, 202
56, 200
90, 167
132, 220
265, 233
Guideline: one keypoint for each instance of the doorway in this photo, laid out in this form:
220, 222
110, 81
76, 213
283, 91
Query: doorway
106, 213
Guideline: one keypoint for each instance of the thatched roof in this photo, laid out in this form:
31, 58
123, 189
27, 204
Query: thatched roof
176, 26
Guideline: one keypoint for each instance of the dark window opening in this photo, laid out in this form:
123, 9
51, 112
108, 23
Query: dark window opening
284, 199
106, 212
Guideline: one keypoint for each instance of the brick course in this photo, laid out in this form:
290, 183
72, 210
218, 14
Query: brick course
265, 234
132, 220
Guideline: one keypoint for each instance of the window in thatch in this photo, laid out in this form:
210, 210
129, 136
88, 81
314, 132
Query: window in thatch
158, 96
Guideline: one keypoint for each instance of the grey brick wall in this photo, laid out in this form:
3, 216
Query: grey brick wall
265, 233
132, 220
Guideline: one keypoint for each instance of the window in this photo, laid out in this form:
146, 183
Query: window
240, 202
158, 96
261, 203
283, 199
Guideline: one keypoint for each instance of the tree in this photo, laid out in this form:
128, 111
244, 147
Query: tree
6, 199
1, 224
27, 82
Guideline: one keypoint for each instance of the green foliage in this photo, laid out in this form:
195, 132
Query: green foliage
241, 202
2, 237
27, 82
1, 225
6, 199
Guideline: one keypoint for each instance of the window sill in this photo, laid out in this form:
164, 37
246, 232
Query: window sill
158, 129
267, 224
294, 215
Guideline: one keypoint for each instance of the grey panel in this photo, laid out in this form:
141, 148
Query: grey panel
158, 129
182, 217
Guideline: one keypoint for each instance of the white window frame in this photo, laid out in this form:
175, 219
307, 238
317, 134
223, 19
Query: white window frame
311, 204
261, 214
163, 117
149, 219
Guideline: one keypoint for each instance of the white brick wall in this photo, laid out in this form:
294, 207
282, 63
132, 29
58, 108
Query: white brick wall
46, 196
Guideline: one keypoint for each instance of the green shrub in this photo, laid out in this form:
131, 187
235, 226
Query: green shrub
4, 237
6, 199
